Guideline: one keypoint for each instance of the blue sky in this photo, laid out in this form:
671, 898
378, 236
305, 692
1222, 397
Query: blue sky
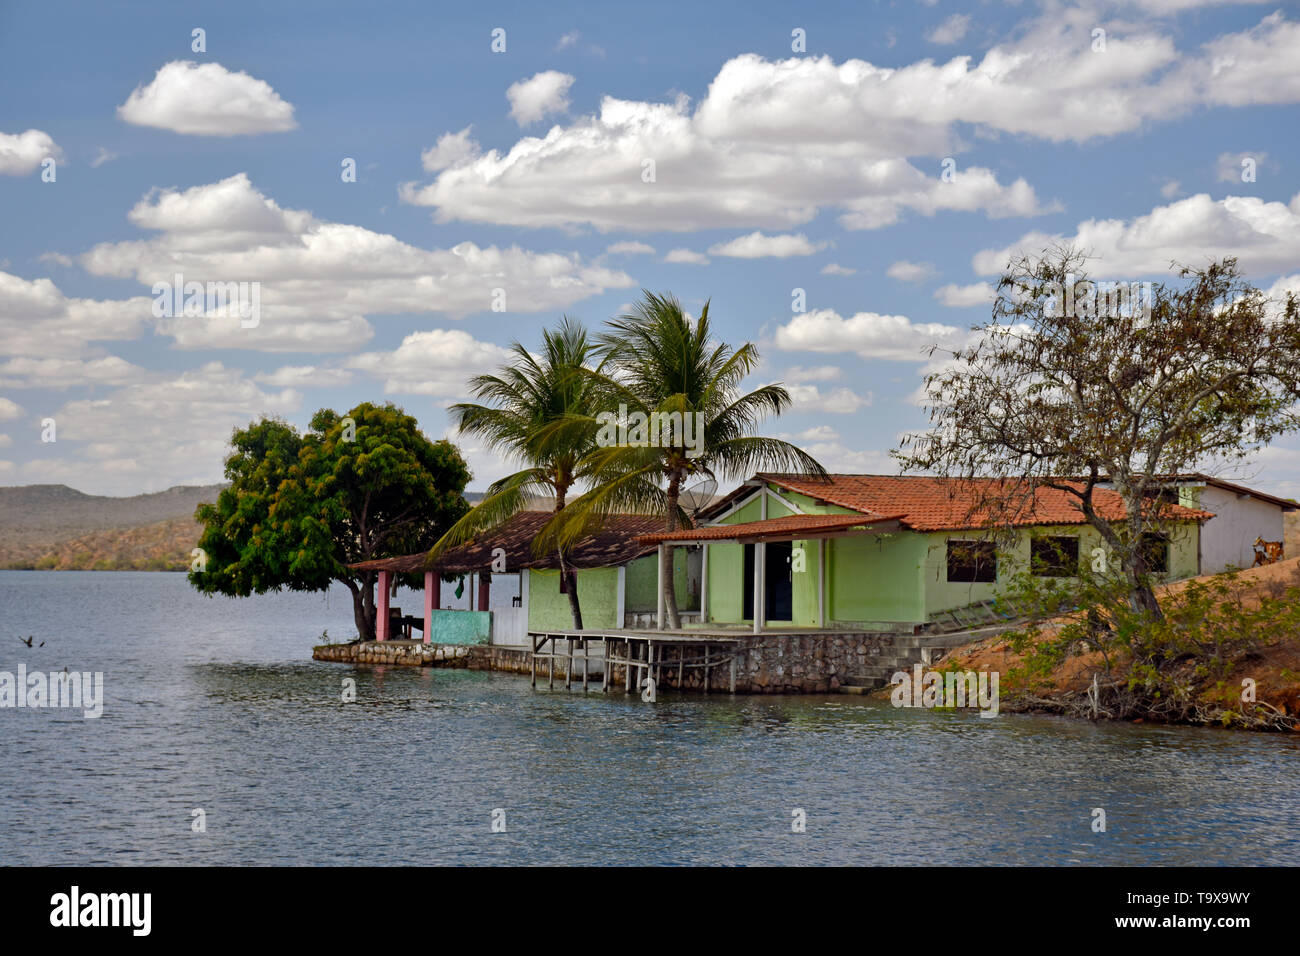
776, 169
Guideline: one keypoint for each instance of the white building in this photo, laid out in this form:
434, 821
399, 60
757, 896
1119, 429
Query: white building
1241, 515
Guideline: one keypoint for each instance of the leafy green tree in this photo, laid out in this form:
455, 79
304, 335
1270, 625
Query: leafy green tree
300, 508
657, 365
525, 397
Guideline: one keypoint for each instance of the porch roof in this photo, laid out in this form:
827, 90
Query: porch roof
615, 543
790, 527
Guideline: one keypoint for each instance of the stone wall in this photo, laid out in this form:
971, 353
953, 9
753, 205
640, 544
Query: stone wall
771, 664
782, 664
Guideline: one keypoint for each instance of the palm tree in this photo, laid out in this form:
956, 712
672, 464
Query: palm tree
655, 360
526, 396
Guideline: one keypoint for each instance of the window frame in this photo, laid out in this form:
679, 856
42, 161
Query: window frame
977, 565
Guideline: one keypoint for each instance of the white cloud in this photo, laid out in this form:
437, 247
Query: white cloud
960, 296
539, 96
451, 148
1171, 189
774, 142
1230, 167
771, 144
21, 153
905, 271
172, 429
54, 373
838, 458
101, 157
304, 376
686, 257
207, 100
38, 320
631, 249
569, 39
319, 279
9, 409
756, 245
950, 31
814, 373
873, 336
822, 433
438, 362
835, 269
841, 401
5, 442
1265, 236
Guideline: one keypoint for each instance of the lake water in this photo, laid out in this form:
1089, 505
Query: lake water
215, 704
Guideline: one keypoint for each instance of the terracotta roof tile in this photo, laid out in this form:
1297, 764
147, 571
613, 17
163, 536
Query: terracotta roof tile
944, 504
616, 543
769, 526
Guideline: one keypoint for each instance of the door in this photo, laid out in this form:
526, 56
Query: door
780, 581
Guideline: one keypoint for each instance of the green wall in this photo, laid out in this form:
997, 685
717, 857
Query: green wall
597, 596
460, 627
643, 582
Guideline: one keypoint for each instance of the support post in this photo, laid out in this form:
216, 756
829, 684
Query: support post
620, 598
760, 599
532, 658
704, 585
430, 589
821, 582
659, 581
381, 612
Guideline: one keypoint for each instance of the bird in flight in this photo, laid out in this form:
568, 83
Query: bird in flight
27, 641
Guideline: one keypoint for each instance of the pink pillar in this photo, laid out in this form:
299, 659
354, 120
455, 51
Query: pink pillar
484, 584
381, 611
430, 589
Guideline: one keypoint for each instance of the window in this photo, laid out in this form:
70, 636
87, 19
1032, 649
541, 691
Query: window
972, 561
1054, 556
1155, 552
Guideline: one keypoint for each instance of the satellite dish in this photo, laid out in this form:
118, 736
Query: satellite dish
698, 497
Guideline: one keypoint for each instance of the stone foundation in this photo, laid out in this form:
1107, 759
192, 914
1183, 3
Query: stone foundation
770, 664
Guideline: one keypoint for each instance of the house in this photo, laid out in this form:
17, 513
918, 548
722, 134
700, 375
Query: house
888, 552
496, 589
1241, 515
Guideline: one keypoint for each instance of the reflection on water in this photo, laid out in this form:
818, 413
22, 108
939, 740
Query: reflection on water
214, 704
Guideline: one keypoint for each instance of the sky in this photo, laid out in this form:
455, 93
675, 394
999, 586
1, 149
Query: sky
410, 187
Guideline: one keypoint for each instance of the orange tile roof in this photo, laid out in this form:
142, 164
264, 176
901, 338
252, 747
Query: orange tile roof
769, 526
945, 504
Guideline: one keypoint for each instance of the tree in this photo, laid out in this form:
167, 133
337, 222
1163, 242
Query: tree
1087, 381
670, 407
528, 395
300, 508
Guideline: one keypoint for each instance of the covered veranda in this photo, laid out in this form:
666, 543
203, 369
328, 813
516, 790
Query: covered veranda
760, 534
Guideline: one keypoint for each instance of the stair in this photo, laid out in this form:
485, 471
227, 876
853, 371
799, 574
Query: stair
909, 650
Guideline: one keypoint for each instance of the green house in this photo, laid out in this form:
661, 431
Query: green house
889, 552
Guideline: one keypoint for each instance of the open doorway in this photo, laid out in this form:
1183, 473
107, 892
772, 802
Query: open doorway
779, 582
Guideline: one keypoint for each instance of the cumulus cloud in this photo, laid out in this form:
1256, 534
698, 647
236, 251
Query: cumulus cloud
905, 271
814, 373
950, 31
631, 249
21, 153
686, 257
835, 269
756, 245
539, 96
451, 148
959, 296
145, 436
840, 401
57, 373
1230, 167
1264, 236
773, 142
206, 99
318, 280
304, 376
869, 334
9, 409
438, 362
37, 320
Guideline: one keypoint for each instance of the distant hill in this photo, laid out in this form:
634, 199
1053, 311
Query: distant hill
60, 528
54, 526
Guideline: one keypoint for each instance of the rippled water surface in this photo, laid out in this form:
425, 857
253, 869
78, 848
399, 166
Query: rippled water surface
215, 704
